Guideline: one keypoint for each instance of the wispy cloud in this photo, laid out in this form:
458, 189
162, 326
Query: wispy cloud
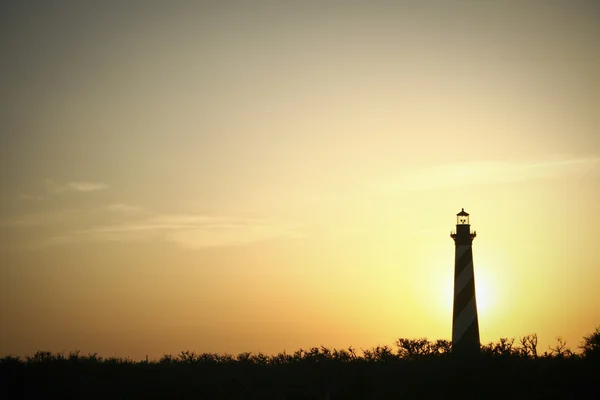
492, 172
86, 186
74, 186
41, 219
186, 230
73, 215
126, 208
231, 234
130, 223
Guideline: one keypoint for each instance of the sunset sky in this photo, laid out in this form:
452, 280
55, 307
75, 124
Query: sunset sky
229, 176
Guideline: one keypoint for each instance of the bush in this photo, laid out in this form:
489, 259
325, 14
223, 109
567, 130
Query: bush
417, 368
591, 344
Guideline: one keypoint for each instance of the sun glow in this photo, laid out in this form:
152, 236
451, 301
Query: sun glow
442, 291
484, 292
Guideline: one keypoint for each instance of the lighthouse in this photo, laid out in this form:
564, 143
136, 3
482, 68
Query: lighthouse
465, 325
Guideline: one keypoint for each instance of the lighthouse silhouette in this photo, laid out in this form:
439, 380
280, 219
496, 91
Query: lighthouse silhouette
465, 324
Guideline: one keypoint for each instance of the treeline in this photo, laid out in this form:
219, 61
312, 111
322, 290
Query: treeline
413, 368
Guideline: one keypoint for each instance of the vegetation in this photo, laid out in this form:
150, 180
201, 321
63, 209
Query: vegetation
415, 368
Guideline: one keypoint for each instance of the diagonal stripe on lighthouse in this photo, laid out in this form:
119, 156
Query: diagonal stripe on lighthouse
460, 250
469, 341
464, 320
464, 259
462, 299
465, 276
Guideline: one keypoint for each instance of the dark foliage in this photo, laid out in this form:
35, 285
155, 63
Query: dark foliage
591, 344
417, 368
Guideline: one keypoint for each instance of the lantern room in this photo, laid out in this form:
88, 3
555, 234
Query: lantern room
462, 218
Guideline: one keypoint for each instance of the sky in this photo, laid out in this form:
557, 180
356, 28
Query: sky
231, 176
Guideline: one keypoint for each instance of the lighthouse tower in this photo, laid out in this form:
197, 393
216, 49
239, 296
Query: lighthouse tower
465, 325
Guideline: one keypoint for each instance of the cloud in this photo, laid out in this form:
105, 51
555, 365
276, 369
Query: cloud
126, 208
46, 219
86, 186
490, 172
73, 215
238, 234
74, 186
190, 231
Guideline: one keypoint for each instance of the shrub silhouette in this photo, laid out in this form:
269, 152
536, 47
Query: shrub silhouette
591, 344
529, 345
417, 348
560, 349
414, 368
